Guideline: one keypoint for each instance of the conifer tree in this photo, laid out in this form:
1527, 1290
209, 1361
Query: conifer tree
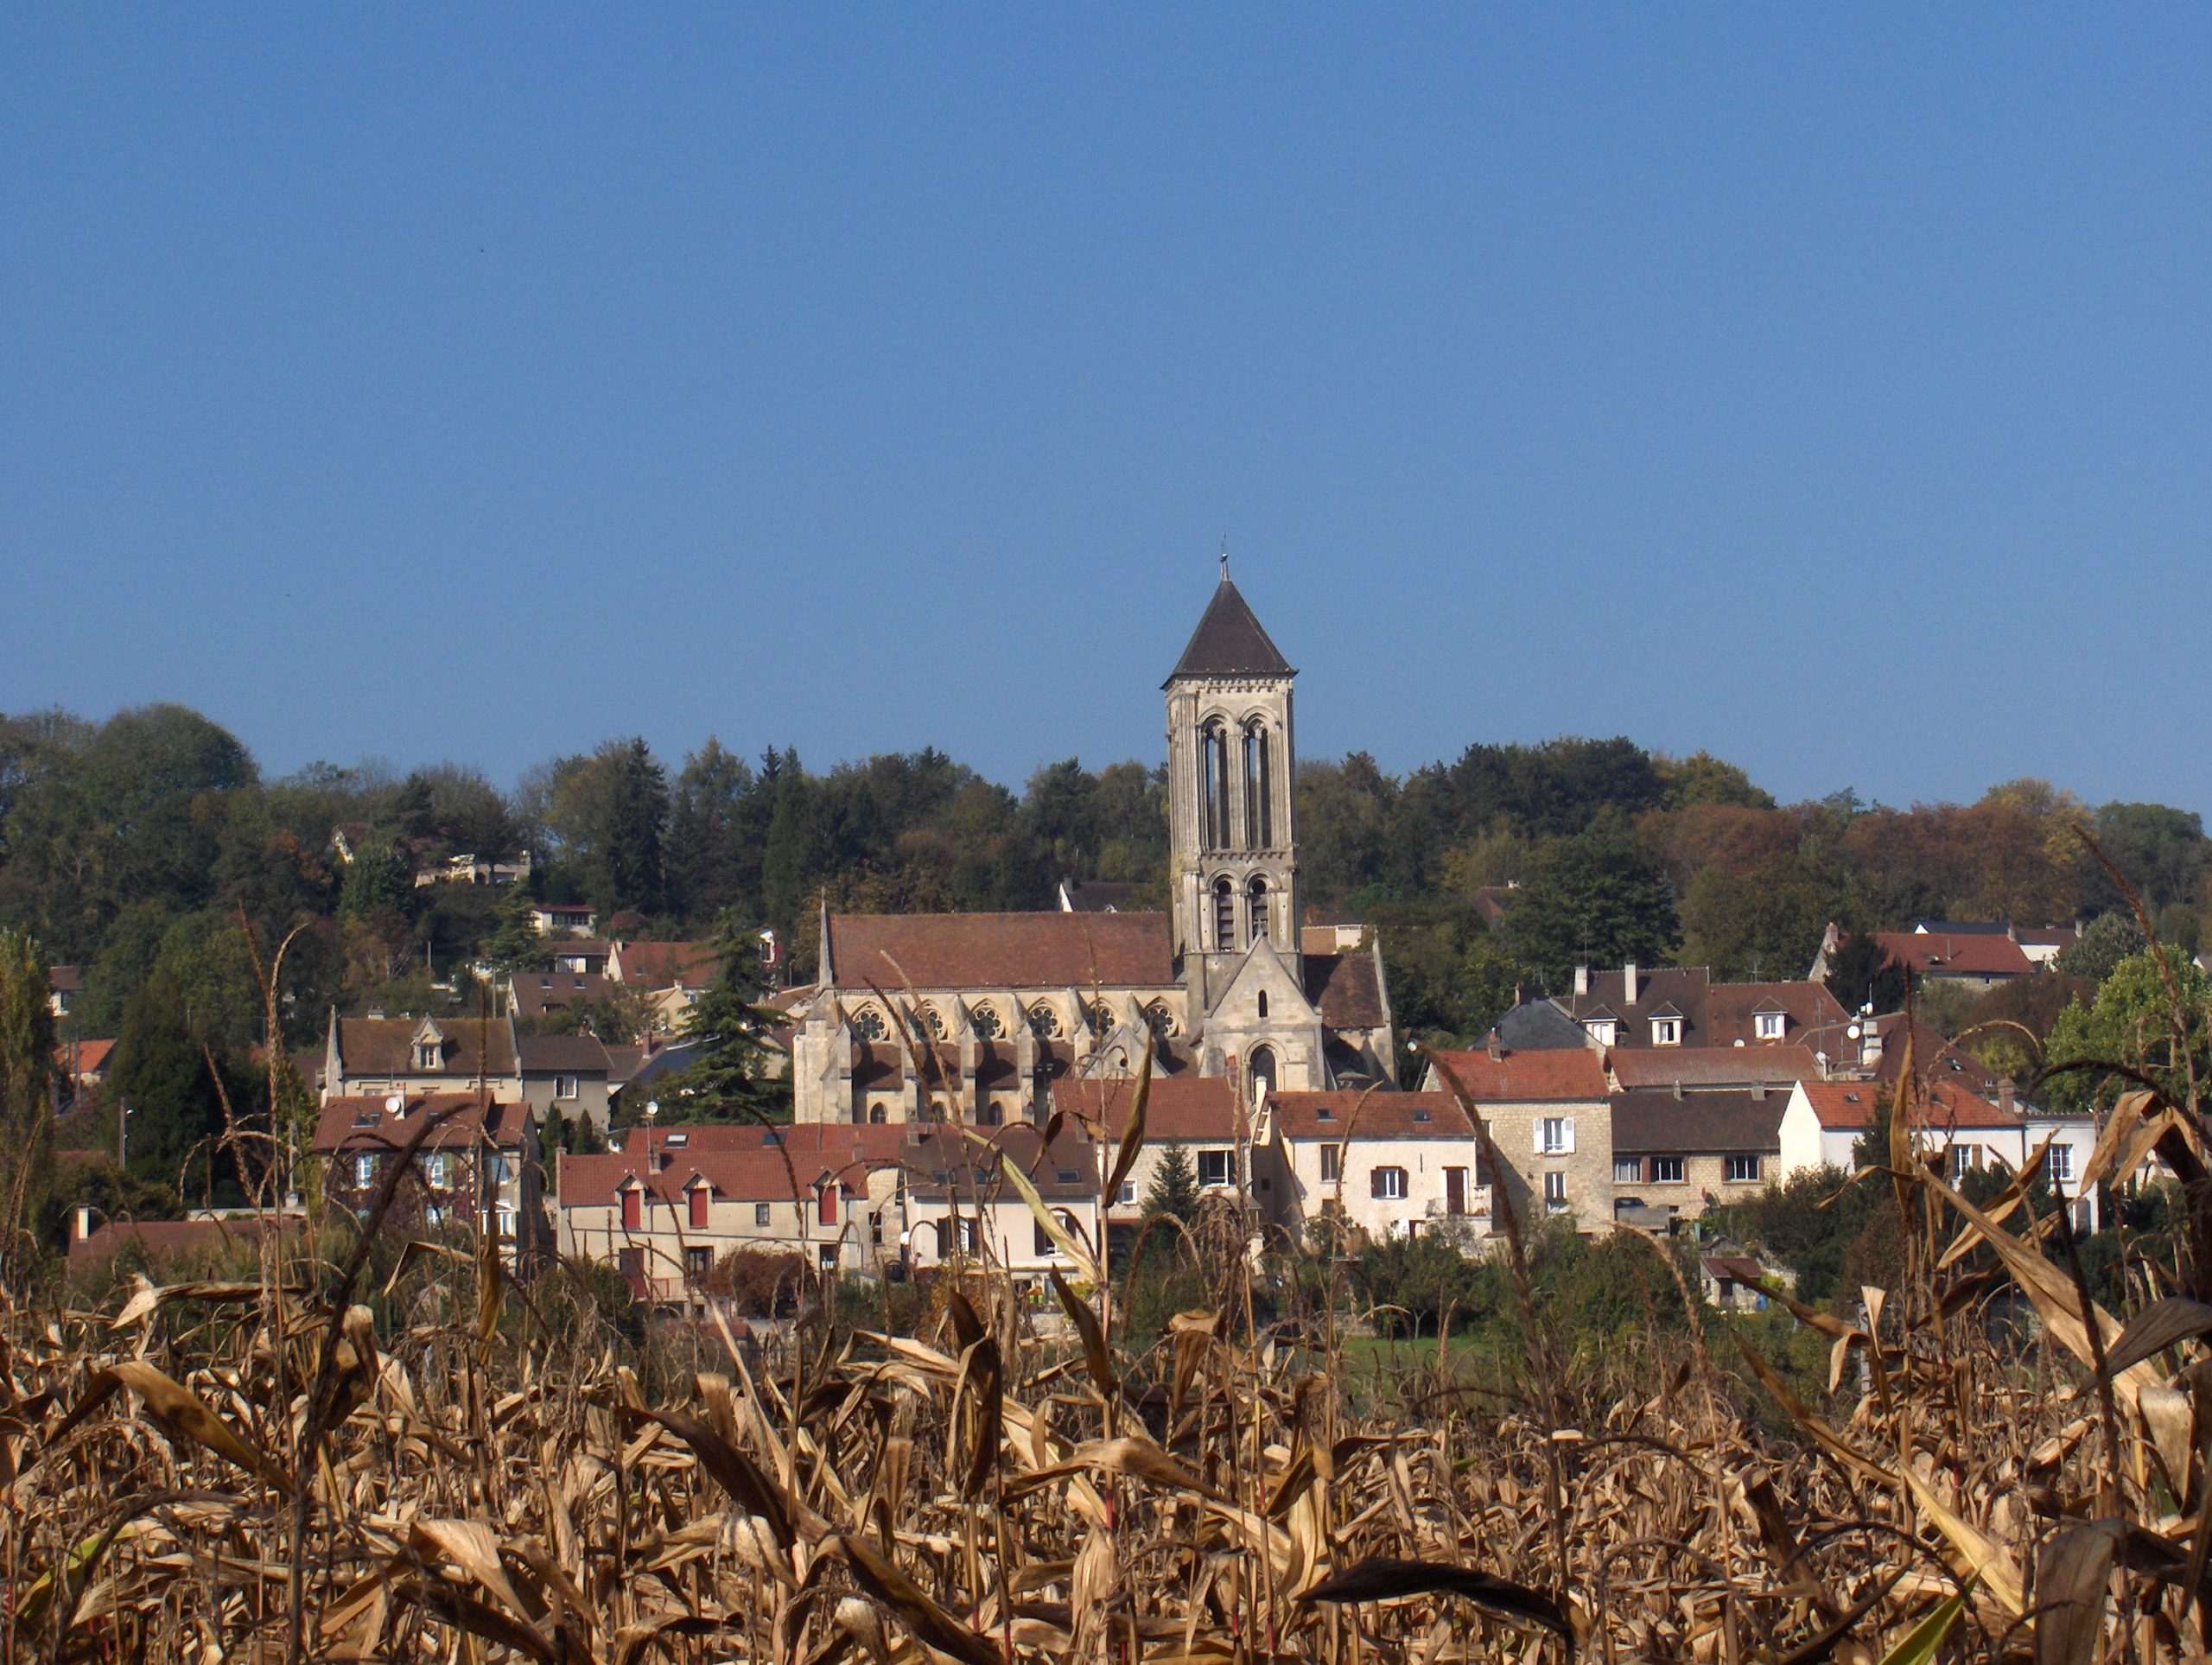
729, 1081
1174, 1188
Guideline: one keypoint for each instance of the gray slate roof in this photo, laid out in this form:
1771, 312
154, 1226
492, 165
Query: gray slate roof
1229, 642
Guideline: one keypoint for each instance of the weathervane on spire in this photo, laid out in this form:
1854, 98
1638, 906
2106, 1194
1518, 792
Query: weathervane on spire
1224, 557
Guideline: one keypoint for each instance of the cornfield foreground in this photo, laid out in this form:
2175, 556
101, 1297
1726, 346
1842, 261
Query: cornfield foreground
263, 1470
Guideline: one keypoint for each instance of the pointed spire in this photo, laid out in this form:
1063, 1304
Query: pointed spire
1229, 641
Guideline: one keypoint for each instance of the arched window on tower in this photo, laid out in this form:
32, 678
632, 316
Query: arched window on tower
1259, 805
1213, 787
1258, 895
1224, 916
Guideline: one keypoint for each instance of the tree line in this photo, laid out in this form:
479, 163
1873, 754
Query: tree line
151, 850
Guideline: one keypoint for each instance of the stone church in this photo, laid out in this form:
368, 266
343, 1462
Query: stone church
910, 1009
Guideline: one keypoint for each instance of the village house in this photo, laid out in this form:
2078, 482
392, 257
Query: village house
375, 1056
567, 1073
478, 1159
1712, 1069
1550, 1118
64, 984
958, 1199
1974, 960
199, 1237
1681, 1006
1678, 1152
1202, 1116
671, 976
564, 918
1388, 1165
670, 1202
534, 995
1823, 1123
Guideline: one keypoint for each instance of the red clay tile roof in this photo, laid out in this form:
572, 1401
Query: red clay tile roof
664, 965
89, 1057
851, 1141
386, 1047
162, 1239
1850, 1105
1345, 988
536, 993
364, 1123
1732, 1009
744, 1176
1712, 1067
1181, 1108
1976, 954
1935, 1059
1545, 1076
1379, 1115
1001, 951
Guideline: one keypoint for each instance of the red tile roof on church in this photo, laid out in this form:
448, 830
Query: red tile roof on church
1001, 951
1186, 1106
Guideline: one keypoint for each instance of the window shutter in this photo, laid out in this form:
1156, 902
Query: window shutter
1375, 1182
698, 1207
1540, 1135
1568, 1127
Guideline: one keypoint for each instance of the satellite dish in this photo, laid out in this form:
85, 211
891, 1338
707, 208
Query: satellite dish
395, 1103
1853, 1032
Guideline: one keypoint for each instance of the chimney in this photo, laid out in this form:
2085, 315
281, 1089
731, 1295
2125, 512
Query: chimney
1758, 1092
1581, 980
1497, 1048
1678, 1090
2004, 1095
1628, 983
1870, 1044
83, 1222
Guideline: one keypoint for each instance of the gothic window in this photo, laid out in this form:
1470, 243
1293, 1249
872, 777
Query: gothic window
1098, 1017
1044, 1023
867, 1023
1258, 809
1213, 786
986, 1020
1161, 1021
1225, 917
1258, 895
1262, 1072
935, 1023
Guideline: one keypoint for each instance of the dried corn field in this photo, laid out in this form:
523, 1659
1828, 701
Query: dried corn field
264, 1469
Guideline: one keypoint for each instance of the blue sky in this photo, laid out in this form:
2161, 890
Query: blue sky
1824, 388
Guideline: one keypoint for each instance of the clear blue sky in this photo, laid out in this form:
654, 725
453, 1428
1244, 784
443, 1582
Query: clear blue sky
1828, 388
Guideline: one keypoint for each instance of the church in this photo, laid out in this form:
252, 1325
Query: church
912, 1012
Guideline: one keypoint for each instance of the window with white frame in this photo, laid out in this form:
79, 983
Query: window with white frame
1556, 1190
1965, 1159
564, 1086
1770, 1025
1743, 1169
1666, 1031
760, 1214
365, 1169
437, 1168
2058, 1164
1555, 1135
1329, 1154
1603, 1031
1666, 1170
1388, 1183
1214, 1167
1628, 1170
1127, 1195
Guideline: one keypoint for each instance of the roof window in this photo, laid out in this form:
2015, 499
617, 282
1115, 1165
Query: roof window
1421, 1116
1067, 1176
1324, 1114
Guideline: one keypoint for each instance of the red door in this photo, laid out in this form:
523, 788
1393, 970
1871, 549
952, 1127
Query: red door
1455, 1190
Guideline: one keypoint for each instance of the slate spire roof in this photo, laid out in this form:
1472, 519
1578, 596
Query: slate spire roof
1229, 642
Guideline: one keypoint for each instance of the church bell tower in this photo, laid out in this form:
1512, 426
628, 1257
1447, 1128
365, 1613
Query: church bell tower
1232, 837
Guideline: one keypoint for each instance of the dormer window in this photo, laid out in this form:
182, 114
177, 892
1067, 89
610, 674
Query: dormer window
429, 1055
1770, 1024
1603, 1031
1666, 1031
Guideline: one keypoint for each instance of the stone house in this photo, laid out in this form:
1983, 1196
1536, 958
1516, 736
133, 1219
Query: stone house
1204, 1116
671, 976
1677, 1153
1550, 1118
958, 1198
